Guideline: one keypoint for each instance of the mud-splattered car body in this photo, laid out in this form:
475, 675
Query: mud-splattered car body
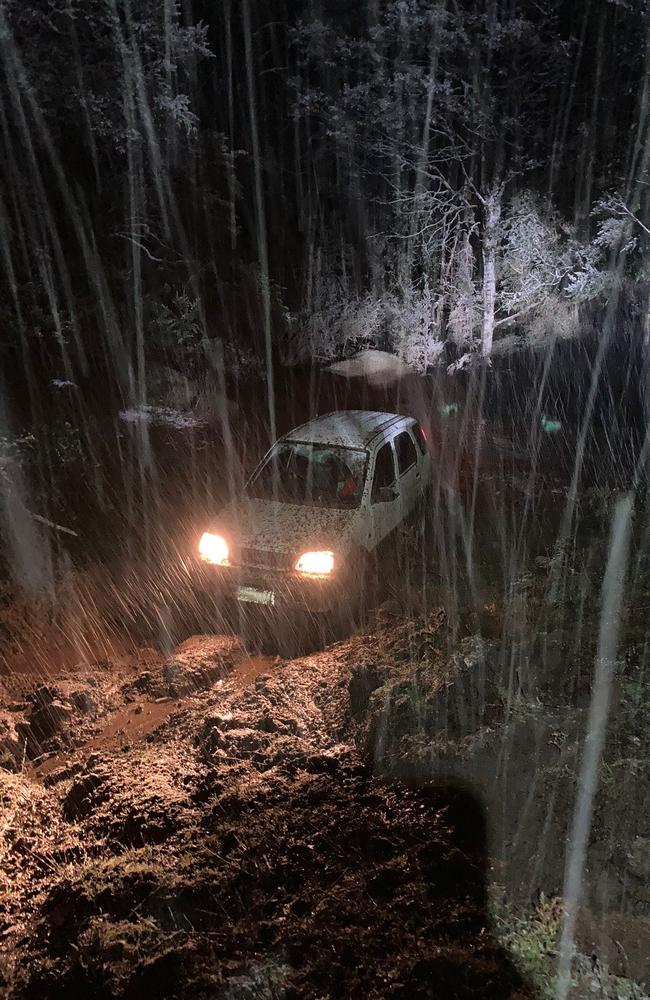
321, 503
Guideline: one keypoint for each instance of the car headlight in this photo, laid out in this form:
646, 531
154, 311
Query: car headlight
213, 549
315, 563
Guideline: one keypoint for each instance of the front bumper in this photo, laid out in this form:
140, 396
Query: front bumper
290, 590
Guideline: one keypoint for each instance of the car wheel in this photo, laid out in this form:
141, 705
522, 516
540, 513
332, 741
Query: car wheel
293, 635
358, 598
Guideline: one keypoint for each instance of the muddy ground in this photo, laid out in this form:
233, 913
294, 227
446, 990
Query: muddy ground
213, 824
241, 848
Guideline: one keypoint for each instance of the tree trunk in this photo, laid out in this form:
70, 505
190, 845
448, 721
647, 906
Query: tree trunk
492, 217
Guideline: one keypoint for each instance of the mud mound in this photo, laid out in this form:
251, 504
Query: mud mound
432, 696
337, 887
45, 723
143, 800
198, 662
40, 719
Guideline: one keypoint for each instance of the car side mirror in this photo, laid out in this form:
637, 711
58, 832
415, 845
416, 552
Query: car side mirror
386, 494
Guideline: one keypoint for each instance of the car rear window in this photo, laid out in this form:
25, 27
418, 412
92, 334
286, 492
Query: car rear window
406, 453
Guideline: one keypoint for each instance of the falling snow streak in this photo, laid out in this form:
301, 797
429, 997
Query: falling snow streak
612, 606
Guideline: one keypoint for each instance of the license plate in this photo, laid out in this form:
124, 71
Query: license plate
251, 595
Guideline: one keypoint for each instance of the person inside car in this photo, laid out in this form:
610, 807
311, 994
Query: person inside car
341, 483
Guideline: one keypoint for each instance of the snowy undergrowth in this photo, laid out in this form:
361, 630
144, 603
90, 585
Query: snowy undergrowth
533, 940
426, 716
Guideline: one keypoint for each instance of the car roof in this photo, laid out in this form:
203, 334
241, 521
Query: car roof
346, 428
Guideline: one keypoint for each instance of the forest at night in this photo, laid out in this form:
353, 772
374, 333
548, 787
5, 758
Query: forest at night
324, 512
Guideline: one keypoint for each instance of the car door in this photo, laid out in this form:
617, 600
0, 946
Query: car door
384, 500
409, 473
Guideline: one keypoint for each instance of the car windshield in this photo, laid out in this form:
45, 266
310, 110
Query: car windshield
318, 475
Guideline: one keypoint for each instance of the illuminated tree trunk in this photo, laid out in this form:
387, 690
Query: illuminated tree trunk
492, 217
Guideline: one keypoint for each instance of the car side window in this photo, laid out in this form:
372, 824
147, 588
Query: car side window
406, 453
420, 437
384, 470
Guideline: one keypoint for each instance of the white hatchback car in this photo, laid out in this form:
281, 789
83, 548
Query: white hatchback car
320, 505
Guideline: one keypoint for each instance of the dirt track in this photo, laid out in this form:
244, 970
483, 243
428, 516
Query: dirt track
132, 723
238, 846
